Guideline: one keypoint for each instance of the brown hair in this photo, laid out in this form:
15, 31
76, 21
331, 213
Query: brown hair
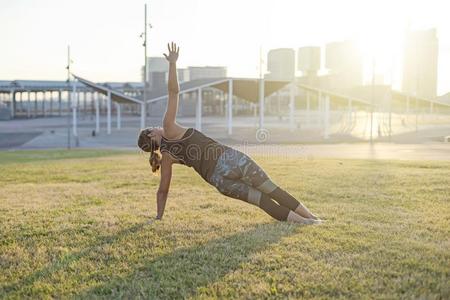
147, 144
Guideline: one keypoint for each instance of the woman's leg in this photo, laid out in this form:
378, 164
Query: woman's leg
255, 176
239, 190
236, 175
286, 199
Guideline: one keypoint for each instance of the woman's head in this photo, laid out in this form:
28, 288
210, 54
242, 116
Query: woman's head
149, 140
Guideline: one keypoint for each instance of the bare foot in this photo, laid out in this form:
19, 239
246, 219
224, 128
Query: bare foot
295, 218
304, 212
312, 216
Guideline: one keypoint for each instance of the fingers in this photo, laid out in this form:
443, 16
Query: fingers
165, 55
173, 48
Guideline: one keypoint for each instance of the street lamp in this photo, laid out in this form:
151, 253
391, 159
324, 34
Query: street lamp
144, 36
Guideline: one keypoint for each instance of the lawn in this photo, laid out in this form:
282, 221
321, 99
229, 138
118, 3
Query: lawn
76, 224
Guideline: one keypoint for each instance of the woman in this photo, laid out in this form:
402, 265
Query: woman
232, 172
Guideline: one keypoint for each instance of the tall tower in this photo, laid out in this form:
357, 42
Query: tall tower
157, 72
281, 64
308, 60
420, 63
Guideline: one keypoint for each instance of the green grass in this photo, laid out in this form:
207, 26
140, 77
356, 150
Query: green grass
78, 227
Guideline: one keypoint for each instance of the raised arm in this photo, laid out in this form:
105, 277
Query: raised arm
171, 128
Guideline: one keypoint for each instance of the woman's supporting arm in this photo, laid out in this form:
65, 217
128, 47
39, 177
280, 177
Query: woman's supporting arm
164, 184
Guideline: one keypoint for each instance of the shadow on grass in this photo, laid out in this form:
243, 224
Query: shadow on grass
24, 156
66, 260
178, 274
186, 271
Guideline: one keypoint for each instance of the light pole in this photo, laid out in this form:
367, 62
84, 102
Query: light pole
261, 91
69, 61
417, 94
372, 98
144, 78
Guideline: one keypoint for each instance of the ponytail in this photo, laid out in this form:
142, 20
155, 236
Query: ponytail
155, 161
147, 144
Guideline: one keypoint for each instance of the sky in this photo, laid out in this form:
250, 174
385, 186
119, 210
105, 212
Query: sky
105, 45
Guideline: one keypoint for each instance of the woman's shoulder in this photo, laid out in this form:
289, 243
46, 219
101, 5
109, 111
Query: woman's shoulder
177, 135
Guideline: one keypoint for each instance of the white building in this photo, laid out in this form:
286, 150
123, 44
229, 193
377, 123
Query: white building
183, 74
207, 72
308, 60
157, 70
420, 63
281, 64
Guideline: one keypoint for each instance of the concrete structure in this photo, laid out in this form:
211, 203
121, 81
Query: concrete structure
41, 98
207, 72
256, 91
420, 63
156, 64
111, 95
323, 109
183, 74
308, 60
281, 64
157, 70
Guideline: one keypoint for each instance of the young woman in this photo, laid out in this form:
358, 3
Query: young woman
232, 172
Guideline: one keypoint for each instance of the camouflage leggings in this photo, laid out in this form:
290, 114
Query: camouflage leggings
237, 176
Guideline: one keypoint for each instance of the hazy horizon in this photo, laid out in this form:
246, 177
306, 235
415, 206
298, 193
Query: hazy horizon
105, 43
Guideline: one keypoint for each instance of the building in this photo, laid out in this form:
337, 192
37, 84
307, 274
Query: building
158, 72
420, 63
345, 64
207, 72
308, 59
183, 74
281, 64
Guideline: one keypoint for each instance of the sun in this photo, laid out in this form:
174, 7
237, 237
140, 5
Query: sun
381, 47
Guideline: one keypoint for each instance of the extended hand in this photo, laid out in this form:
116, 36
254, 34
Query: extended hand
173, 52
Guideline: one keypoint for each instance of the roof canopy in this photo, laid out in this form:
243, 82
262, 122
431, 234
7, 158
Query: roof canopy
247, 89
185, 87
115, 95
403, 96
7, 86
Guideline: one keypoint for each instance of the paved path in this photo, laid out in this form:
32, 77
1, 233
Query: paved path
430, 151
52, 133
